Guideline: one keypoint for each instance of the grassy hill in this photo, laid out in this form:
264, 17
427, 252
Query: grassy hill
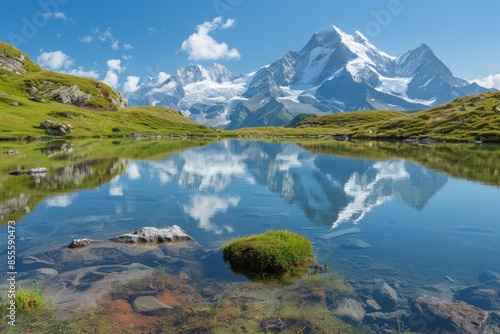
468, 118
30, 95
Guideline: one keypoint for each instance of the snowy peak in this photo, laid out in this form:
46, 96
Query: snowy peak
193, 73
334, 72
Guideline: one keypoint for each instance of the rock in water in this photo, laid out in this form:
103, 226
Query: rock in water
450, 317
385, 296
154, 235
149, 305
488, 275
355, 243
79, 243
349, 310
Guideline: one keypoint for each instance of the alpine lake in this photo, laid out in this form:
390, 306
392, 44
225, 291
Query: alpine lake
390, 222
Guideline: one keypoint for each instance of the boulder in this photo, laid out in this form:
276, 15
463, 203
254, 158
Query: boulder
349, 310
79, 243
56, 128
388, 321
154, 235
385, 296
441, 291
12, 152
149, 305
450, 317
372, 305
488, 275
482, 298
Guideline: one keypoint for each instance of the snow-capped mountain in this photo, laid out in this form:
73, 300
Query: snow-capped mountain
333, 72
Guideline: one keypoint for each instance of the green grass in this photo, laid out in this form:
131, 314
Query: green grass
27, 301
468, 118
274, 252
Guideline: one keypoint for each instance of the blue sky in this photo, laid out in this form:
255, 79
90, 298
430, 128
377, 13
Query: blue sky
123, 42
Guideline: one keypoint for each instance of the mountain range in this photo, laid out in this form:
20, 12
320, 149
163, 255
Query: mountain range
334, 72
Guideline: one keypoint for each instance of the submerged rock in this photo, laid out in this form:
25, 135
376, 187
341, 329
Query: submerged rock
349, 310
450, 317
441, 291
488, 275
149, 305
154, 235
482, 298
355, 243
385, 296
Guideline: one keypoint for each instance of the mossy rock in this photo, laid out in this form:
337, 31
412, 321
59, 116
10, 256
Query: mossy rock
274, 252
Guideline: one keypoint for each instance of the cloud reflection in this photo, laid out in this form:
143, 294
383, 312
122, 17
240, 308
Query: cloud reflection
203, 208
60, 201
133, 171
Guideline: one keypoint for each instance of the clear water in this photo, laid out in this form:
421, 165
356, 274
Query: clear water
422, 225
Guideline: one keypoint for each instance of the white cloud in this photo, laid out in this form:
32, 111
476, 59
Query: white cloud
57, 16
151, 31
115, 65
115, 45
162, 77
82, 73
111, 79
131, 84
127, 56
127, 46
55, 60
491, 81
86, 39
168, 89
103, 36
229, 24
202, 46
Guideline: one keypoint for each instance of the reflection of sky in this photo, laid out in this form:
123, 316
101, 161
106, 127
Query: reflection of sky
133, 171
60, 201
367, 192
203, 209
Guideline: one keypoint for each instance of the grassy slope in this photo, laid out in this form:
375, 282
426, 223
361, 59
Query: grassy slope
18, 85
465, 119
24, 120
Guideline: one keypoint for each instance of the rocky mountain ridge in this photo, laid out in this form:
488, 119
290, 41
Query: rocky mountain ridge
334, 72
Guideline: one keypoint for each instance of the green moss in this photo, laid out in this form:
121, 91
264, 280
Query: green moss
274, 252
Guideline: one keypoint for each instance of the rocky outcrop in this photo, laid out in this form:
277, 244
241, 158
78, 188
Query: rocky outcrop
71, 95
120, 101
153, 235
450, 317
56, 128
15, 65
74, 95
